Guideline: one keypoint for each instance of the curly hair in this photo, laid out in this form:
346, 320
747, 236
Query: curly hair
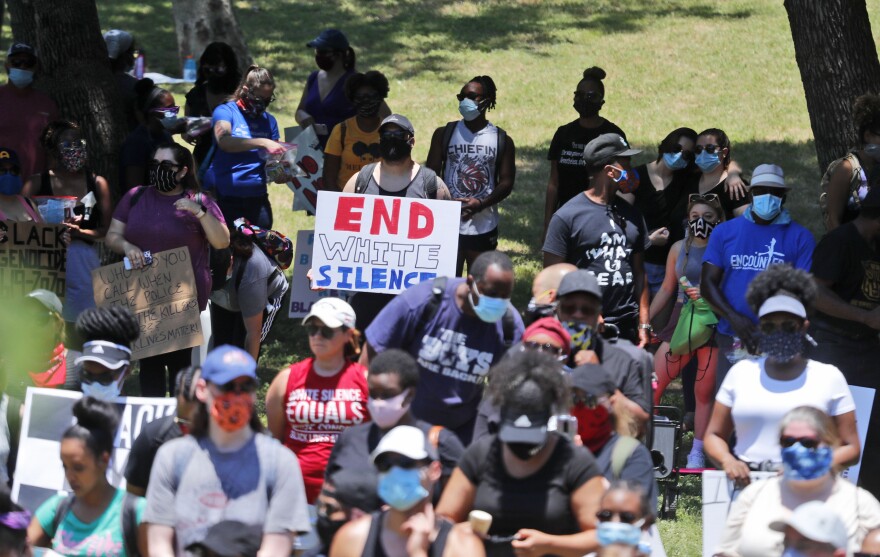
866, 115
530, 366
782, 278
115, 324
373, 79
51, 135
595, 74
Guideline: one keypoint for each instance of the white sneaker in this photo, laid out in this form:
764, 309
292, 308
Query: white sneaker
696, 460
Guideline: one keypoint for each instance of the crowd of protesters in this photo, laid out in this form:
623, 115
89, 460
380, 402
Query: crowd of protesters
443, 420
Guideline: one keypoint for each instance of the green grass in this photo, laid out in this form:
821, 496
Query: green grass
699, 63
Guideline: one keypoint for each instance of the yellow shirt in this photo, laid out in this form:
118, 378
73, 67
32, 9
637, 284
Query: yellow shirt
361, 148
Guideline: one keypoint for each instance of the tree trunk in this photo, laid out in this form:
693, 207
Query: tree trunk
76, 73
838, 62
23, 21
201, 22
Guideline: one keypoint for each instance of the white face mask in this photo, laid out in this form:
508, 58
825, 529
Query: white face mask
107, 393
386, 413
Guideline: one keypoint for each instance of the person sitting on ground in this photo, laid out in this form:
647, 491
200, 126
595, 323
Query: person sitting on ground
524, 466
814, 530
757, 393
808, 438
98, 518
343, 499
625, 515
408, 468
393, 380
161, 430
226, 468
544, 292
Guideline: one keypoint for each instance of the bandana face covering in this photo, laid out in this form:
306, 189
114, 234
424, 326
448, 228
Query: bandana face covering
700, 227
232, 411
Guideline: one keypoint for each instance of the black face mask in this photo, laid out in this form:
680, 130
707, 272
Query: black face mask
327, 529
587, 108
163, 178
368, 108
252, 105
524, 451
394, 149
324, 62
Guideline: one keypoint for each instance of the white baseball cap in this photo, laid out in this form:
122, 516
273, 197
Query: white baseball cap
333, 312
816, 521
405, 440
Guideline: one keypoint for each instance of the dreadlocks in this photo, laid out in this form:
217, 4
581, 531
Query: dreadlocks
489, 91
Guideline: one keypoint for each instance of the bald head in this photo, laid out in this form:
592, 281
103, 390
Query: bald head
546, 282
871, 543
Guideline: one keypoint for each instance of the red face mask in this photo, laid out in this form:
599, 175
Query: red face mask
232, 411
594, 425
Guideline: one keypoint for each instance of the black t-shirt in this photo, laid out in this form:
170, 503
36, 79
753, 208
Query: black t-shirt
602, 239
692, 185
658, 208
355, 444
848, 261
567, 149
143, 451
541, 501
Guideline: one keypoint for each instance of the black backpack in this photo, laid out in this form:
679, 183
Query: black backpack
128, 516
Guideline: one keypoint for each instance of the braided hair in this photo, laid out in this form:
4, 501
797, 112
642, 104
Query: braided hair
115, 324
489, 91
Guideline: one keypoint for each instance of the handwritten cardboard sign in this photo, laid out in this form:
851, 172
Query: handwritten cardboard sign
163, 296
375, 243
31, 256
301, 296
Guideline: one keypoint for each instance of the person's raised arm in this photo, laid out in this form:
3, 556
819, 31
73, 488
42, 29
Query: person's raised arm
715, 444
710, 289
275, 417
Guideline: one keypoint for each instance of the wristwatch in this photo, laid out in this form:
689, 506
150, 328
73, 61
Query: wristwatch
646, 326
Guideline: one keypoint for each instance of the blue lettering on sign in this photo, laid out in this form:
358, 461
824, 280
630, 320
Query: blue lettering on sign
396, 279
359, 282
324, 280
379, 278
343, 282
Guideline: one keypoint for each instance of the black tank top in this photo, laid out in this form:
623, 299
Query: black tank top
373, 547
91, 185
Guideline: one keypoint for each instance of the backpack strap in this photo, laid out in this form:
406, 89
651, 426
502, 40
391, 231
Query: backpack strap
130, 525
363, 178
61, 511
431, 188
508, 327
499, 152
621, 452
444, 146
136, 196
430, 309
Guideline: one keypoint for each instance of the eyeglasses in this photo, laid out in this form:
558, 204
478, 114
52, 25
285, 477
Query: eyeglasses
22, 63
164, 165
77, 143
685, 153
807, 442
165, 110
626, 517
542, 347
243, 386
472, 96
711, 149
387, 461
102, 378
707, 197
324, 330
789, 327
267, 102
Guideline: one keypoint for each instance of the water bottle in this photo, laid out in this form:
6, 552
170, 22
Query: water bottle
189, 69
140, 64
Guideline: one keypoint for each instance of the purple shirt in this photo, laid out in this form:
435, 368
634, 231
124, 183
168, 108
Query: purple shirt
333, 109
153, 224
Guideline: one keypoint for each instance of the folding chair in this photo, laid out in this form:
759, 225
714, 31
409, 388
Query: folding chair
665, 447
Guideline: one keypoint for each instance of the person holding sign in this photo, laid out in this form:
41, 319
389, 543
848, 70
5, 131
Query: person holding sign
167, 214
309, 404
97, 519
13, 205
226, 468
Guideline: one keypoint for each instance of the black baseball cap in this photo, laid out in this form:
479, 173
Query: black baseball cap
524, 417
592, 379
579, 281
21, 48
401, 121
330, 39
606, 147
9, 156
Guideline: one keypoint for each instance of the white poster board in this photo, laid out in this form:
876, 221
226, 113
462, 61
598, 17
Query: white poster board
376, 243
39, 473
301, 296
864, 399
310, 159
718, 494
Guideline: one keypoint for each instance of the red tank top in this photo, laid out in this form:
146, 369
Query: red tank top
317, 410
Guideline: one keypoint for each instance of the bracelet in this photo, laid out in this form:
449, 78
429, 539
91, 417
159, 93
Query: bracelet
201, 213
646, 326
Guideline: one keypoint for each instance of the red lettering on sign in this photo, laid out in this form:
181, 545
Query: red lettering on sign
348, 219
380, 212
421, 221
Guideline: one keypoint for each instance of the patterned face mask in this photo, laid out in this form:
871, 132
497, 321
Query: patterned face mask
700, 227
73, 159
782, 346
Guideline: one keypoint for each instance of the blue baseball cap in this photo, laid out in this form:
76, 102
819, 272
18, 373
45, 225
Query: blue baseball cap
331, 39
227, 363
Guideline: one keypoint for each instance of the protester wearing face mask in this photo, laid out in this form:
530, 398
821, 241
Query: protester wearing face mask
848, 179
105, 362
26, 111
568, 175
686, 260
168, 213
226, 468
718, 174
525, 467
217, 78
813, 530
476, 160
739, 250
13, 205
299, 411
625, 515
393, 381
69, 175
544, 287
343, 499
354, 143
808, 439
408, 469
437, 326
599, 232
757, 393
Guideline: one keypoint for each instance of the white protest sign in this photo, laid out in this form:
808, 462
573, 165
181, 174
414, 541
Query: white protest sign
310, 158
718, 494
375, 243
301, 296
39, 473
864, 399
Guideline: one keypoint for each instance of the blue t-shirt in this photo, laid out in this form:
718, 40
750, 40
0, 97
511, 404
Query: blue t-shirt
742, 249
240, 174
454, 351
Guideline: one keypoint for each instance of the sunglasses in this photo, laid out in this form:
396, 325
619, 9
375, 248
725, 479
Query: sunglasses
542, 347
685, 154
386, 462
707, 197
22, 63
267, 102
164, 165
72, 144
711, 149
472, 96
789, 327
625, 517
102, 378
165, 110
806, 442
394, 134
324, 330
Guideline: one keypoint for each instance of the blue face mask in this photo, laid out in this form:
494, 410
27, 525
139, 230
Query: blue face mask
10, 184
581, 335
21, 78
800, 463
489, 309
401, 488
708, 161
609, 533
792, 552
107, 393
469, 109
674, 161
766, 206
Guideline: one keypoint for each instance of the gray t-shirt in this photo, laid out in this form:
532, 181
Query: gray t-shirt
194, 485
255, 290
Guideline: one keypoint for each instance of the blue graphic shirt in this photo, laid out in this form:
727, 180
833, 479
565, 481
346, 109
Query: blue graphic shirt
742, 249
240, 174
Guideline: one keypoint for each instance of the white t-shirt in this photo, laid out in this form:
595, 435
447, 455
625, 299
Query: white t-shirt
758, 403
470, 172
